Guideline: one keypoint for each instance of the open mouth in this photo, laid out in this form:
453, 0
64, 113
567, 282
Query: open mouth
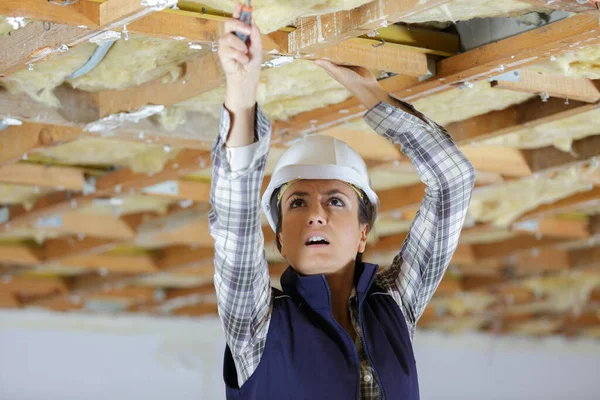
317, 241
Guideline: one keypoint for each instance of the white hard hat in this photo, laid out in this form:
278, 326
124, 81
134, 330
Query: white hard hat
318, 157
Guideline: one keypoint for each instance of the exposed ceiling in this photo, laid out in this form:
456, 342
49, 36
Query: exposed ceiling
105, 177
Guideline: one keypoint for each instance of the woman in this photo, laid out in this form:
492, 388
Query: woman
339, 329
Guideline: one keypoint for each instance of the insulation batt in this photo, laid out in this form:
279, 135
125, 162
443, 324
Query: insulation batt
129, 62
583, 63
461, 10
129, 205
502, 204
271, 15
140, 157
560, 134
283, 92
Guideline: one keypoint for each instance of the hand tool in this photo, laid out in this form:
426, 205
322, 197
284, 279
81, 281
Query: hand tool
245, 17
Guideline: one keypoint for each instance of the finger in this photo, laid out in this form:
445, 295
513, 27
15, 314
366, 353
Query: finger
255, 38
235, 25
237, 11
231, 40
240, 57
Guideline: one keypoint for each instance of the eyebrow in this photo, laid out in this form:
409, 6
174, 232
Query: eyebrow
304, 194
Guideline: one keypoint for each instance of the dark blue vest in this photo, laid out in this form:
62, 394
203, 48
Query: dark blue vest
308, 355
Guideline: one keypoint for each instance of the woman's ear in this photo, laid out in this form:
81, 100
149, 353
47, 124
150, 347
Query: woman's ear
280, 240
364, 232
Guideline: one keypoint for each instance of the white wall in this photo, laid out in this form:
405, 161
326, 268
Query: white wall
57, 356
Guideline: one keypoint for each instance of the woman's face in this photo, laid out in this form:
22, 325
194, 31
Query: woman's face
320, 232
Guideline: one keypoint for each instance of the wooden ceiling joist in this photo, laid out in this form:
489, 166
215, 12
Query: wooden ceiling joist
60, 178
579, 89
320, 31
196, 77
121, 181
532, 113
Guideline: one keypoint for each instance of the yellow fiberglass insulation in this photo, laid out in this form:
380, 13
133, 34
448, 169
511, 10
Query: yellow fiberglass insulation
459, 104
568, 292
283, 92
464, 303
502, 204
271, 15
20, 194
9, 24
140, 157
462, 10
47, 75
560, 134
128, 205
583, 63
135, 61
129, 62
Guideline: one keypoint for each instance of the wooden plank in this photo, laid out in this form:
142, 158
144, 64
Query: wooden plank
197, 310
183, 189
399, 198
113, 263
532, 113
579, 200
177, 257
197, 76
513, 245
565, 5
34, 287
97, 226
555, 227
579, 89
542, 260
504, 160
36, 42
8, 300
62, 178
389, 57
325, 30
55, 250
121, 181
508, 54
19, 254
586, 257
550, 157
16, 141
46, 11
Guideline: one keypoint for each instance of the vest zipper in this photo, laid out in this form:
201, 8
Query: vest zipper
354, 352
362, 328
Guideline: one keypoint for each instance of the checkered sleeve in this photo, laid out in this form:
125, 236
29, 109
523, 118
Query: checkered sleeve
242, 280
417, 270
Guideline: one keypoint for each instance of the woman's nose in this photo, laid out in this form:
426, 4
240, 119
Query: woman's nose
316, 220
317, 216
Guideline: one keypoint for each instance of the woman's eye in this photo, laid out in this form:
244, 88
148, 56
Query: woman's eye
336, 202
296, 203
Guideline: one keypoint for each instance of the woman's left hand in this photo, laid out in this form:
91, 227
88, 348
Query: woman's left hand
358, 80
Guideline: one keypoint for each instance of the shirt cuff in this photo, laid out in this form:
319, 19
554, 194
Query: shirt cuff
240, 158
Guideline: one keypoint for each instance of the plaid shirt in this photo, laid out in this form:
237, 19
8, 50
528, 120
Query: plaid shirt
241, 271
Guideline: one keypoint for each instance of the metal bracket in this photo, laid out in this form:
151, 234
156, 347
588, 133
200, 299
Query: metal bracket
511, 76
168, 187
89, 186
278, 61
4, 215
54, 221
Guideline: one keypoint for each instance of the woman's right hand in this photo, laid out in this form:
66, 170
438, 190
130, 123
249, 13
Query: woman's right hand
241, 62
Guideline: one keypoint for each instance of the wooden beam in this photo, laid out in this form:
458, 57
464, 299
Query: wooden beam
555, 227
532, 113
56, 250
19, 254
508, 55
565, 5
34, 287
8, 300
567, 204
579, 89
399, 198
550, 157
121, 181
36, 42
16, 141
177, 257
389, 57
70, 14
197, 76
509, 246
325, 30
507, 161
542, 260
113, 263
62, 178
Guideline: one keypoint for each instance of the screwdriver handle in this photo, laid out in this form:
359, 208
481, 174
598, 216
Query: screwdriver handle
245, 17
